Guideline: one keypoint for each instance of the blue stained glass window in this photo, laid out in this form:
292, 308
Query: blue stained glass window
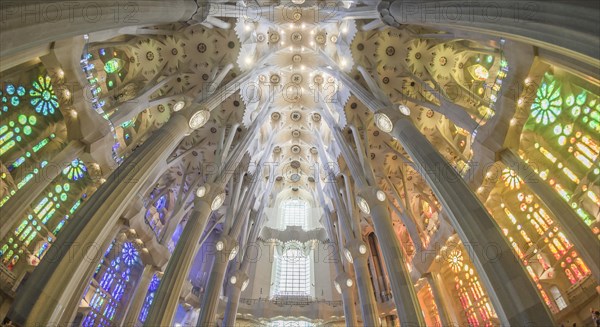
130, 254
161, 203
152, 288
113, 276
75, 170
42, 96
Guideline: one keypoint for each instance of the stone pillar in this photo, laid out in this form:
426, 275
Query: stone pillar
500, 270
347, 292
210, 301
368, 305
71, 259
586, 243
72, 306
14, 209
349, 307
235, 286
568, 28
28, 24
139, 296
405, 297
166, 298
437, 298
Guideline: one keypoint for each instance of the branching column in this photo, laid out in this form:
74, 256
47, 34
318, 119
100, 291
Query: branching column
166, 298
569, 28
139, 296
403, 290
27, 24
223, 249
586, 243
72, 258
437, 298
15, 207
512, 293
236, 284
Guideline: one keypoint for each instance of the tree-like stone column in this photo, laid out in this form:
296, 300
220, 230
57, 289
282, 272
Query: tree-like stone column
586, 243
512, 293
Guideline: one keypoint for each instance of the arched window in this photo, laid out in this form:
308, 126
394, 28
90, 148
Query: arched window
558, 297
114, 283
294, 213
290, 323
293, 272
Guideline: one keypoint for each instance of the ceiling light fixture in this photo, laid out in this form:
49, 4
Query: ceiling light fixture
199, 118
218, 201
363, 205
383, 122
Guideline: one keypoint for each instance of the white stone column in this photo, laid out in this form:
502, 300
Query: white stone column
235, 286
366, 296
437, 298
569, 28
586, 243
166, 298
222, 250
499, 269
138, 297
28, 24
14, 209
403, 290
68, 262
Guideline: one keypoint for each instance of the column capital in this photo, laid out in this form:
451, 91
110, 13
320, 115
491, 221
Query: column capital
355, 250
239, 279
369, 196
343, 282
227, 246
211, 194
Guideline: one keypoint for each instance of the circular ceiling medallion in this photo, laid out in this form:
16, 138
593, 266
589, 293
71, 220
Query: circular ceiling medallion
279, 178
297, 16
318, 79
320, 38
295, 164
277, 149
334, 38
150, 55
296, 116
296, 37
297, 58
296, 78
390, 51
275, 78
296, 133
295, 177
201, 47
313, 150
260, 37
274, 37
296, 149
316, 117
275, 116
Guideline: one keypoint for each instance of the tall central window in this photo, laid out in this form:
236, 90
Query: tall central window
292, 277
294, 213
